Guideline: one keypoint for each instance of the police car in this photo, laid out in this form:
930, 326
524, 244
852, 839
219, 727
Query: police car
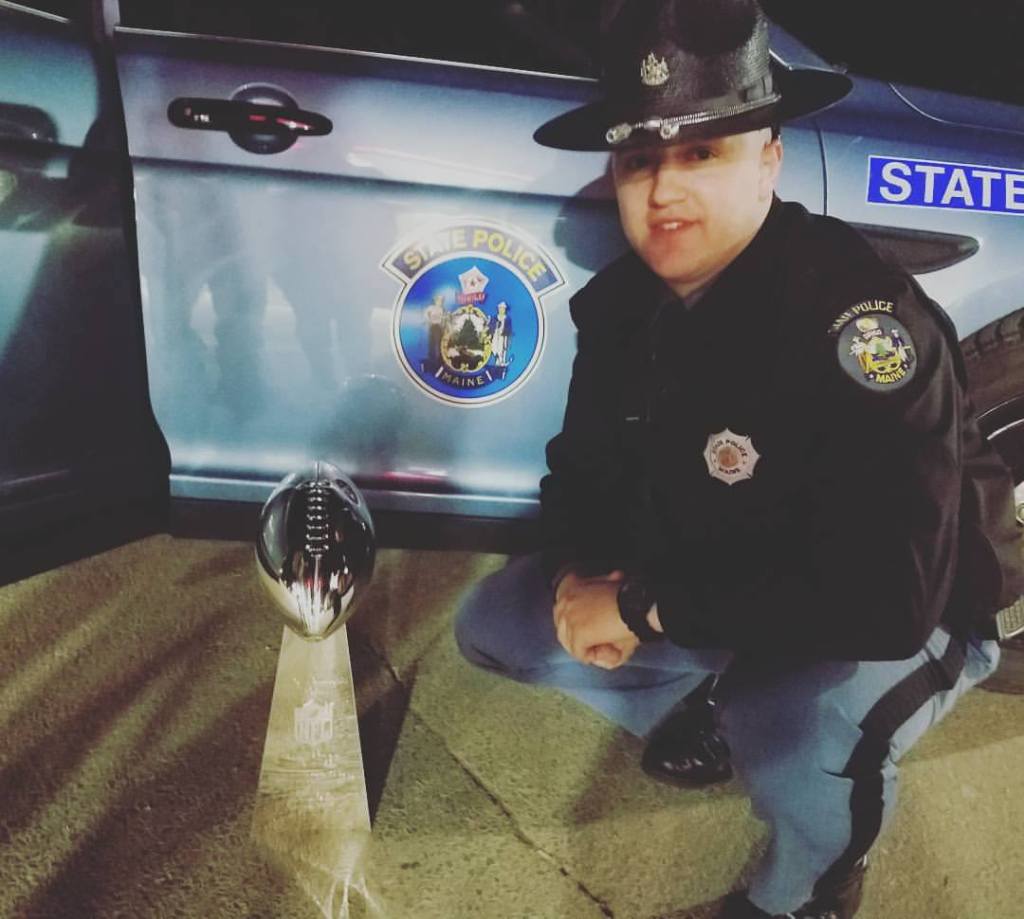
235, 243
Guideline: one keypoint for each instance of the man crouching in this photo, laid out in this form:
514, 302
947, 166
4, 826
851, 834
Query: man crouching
766, 496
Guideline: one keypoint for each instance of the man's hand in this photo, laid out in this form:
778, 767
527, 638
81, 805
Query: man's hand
588, 623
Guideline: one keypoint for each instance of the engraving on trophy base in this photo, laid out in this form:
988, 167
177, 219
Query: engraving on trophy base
312, 816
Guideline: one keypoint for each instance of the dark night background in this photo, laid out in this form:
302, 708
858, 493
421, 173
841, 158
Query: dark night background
971, 48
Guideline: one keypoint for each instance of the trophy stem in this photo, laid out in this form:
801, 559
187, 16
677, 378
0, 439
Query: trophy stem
312, 816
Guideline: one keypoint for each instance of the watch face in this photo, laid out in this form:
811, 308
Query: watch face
635, 602
633, 596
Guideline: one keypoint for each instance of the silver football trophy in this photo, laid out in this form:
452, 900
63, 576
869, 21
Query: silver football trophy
315, 549
315, 552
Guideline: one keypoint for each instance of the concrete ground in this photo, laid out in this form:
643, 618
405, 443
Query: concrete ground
134, 696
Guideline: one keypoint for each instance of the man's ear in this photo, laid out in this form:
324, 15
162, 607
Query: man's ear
771, 165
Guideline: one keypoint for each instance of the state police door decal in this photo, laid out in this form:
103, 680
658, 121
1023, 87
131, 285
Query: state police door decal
468, 324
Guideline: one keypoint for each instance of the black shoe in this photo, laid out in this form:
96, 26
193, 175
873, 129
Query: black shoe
686, 749
837, 900
737, 906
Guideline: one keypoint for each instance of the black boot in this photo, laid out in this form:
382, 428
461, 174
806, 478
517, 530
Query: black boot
835, 899
686, 749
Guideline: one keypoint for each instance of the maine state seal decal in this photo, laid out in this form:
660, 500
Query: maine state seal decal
468, 324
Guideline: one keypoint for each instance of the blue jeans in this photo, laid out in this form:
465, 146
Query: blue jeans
816, 745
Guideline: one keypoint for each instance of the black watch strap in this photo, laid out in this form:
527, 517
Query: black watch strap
635, 601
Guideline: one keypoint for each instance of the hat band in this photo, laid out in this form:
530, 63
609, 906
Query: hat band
667, 128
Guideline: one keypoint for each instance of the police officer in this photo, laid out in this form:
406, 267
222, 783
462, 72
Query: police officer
769, 474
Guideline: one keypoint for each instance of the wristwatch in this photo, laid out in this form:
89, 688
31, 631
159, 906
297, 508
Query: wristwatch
635, 601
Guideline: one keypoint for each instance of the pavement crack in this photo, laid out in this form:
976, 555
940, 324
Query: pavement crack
517, 830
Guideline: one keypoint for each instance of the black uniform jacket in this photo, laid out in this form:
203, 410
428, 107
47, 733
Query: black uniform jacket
785, 459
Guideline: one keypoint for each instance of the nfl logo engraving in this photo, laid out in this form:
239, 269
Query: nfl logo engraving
314, 723
730, 457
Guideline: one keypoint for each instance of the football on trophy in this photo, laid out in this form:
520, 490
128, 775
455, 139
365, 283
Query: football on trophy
315, 549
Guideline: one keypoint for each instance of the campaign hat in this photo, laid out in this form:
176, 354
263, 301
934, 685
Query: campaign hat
677, 69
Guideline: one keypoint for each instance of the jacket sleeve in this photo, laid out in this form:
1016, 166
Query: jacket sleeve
864, 565
582, 515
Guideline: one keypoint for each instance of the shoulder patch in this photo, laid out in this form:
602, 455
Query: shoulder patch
873, 347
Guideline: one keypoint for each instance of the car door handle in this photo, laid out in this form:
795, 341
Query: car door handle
240, 117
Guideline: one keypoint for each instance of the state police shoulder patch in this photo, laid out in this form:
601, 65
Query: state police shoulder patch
873, 347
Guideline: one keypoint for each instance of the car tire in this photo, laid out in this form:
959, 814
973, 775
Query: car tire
994, 357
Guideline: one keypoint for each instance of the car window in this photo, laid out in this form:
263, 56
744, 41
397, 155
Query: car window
554, 36
970, 49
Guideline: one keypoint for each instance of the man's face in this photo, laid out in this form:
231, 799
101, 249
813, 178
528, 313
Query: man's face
688, 209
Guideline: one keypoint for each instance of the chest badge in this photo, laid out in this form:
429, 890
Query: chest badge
730, 457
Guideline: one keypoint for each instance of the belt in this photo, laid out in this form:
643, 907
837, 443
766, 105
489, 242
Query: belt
1004, 624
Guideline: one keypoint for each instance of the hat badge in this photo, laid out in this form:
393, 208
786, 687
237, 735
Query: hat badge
652, 71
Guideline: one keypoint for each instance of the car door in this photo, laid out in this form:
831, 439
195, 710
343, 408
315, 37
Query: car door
79, 450
382, 279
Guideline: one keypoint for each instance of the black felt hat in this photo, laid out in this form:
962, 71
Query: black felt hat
675, 69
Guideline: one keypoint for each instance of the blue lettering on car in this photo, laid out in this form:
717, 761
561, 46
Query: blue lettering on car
953, 186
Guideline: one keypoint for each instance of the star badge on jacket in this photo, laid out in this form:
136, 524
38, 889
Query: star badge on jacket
731, 458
